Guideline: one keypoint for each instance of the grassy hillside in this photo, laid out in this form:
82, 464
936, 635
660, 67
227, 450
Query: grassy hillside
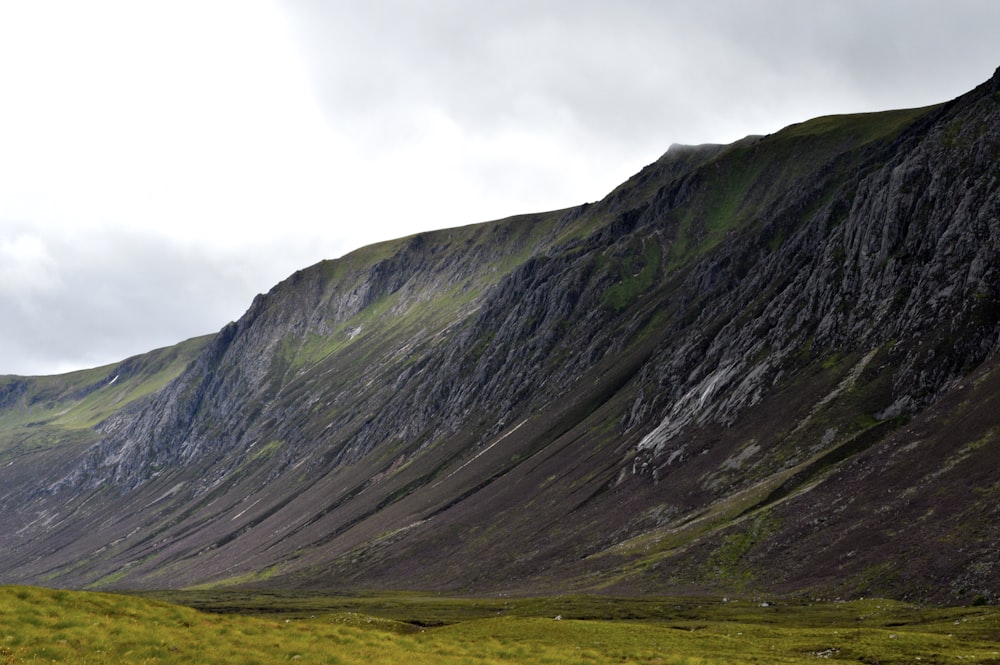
79, 627
38, 412
757, 368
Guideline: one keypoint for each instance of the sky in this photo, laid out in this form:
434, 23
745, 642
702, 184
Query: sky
163, 161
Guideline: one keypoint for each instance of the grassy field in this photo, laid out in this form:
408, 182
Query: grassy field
46, 626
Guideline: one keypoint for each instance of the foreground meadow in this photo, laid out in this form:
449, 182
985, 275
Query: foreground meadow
46, 626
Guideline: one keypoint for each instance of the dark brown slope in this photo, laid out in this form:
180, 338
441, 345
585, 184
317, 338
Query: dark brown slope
757, 366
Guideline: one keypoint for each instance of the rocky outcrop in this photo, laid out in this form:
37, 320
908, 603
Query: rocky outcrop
901, 256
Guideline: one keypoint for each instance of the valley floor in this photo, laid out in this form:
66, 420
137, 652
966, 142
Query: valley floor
45, 626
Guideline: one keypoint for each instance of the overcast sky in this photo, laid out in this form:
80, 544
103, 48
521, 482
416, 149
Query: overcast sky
162, 162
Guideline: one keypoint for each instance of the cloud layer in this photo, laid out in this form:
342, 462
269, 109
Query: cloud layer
160, 163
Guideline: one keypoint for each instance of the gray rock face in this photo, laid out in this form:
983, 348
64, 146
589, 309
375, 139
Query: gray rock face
902, 256
717, 333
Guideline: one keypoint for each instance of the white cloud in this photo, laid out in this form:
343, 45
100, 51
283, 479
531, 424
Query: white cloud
161, 162
26, 267
190, 119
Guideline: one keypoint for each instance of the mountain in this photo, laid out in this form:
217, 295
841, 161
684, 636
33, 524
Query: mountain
769, 366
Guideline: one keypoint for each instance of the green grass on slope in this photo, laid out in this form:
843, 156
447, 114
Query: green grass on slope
46, 626
748, 176
51, 410
434, 294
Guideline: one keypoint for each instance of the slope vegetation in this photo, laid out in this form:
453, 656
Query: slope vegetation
768, 365
43, 626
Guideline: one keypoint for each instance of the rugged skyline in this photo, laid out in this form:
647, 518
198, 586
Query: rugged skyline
161, 164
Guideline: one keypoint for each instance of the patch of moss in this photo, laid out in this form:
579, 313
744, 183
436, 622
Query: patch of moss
728, 563
637, 274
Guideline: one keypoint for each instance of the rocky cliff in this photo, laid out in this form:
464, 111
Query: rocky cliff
762, 366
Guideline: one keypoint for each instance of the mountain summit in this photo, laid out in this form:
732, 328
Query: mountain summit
766, 366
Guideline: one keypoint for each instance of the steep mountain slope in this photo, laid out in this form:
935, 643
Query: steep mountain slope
768, 365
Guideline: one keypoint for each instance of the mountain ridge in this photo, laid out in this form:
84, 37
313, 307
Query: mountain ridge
650, 392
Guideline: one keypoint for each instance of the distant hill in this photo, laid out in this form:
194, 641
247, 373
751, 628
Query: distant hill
766, 366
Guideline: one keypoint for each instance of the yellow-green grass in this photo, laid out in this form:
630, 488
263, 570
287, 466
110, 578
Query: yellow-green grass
46, 626
63, 408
